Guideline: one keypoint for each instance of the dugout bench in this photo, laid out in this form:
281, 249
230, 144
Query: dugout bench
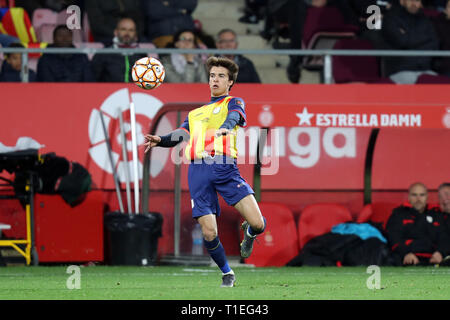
25, 162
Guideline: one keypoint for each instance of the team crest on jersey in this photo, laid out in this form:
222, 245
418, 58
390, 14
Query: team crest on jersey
216, 110
430, 219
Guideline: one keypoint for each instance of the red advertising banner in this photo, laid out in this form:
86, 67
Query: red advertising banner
318, 133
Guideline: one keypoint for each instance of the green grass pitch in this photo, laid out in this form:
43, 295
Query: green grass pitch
198, 283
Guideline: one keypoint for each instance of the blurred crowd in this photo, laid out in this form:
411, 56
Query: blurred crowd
289, 24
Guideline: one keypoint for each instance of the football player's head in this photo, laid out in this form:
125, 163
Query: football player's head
222, 75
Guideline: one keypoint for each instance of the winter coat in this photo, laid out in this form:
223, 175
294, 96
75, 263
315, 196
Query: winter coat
111, 67
64, 68
405, 31
420, 233
8, 74
166, 17
442, 26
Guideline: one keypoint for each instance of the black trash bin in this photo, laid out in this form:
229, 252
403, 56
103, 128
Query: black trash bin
132, 239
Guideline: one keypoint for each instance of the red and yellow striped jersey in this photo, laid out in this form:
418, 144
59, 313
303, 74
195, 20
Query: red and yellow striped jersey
203, 122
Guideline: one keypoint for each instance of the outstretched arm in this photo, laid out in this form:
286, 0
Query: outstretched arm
167, 141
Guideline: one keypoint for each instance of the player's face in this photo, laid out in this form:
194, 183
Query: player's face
444, 199
219, 82
126, 31
418, 197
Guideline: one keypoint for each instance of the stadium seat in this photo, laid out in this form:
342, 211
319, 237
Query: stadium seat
77, 34
95, 45
378, 212
323, 26
42, 17
45, 33
279, 242
318, 219
356, 68
149, 45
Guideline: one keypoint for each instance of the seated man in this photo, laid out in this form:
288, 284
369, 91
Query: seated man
227, 40
117, 67
415, 230
405, 27
63, 67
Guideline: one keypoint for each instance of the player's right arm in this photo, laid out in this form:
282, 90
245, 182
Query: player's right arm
170, 140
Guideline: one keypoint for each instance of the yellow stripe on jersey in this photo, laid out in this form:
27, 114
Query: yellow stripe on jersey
203, 123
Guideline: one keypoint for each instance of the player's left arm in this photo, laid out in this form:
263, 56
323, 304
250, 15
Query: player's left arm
236, 116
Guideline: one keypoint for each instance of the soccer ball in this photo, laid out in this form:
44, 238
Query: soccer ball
148, 73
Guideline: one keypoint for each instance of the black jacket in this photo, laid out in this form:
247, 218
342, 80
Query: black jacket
9, 74
167, 17
442, 25
404, 31
111, 67
64, 68
247, 72
104, 15
420, 233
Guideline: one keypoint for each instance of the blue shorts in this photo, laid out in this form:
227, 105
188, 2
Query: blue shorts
208, 177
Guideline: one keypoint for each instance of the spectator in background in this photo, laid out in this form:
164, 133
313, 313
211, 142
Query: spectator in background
63, 67
12, 66
405, 27
117, 67
227, 40
183, 67
104, 16
444, 197
442, 26
416, 231
253, 11
164, 18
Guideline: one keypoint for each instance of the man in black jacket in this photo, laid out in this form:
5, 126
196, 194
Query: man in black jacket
227, 40
416, 231
405, 27
63, 67
117, 67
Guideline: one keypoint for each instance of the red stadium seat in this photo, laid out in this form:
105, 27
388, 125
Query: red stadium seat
356, 68
323, 26
42, 17
279, 242
318, 219
378, 212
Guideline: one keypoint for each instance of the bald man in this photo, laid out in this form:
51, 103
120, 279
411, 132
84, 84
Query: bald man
415, 230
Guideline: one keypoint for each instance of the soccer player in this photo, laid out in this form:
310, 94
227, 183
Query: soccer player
211, 132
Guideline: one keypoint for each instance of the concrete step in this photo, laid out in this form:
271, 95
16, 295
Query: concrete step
272, 75
213, 25
231, 9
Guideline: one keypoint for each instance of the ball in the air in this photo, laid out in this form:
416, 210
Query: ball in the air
148, 73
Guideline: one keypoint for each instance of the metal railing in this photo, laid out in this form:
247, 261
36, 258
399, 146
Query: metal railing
326, 53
